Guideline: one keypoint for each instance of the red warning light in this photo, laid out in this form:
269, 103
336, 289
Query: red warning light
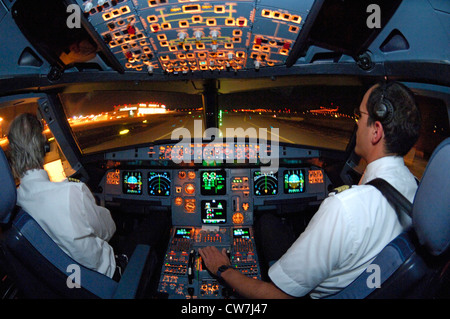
155, 27
128, 55
131, 30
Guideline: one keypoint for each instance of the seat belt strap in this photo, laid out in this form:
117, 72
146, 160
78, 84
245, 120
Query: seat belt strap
394, 197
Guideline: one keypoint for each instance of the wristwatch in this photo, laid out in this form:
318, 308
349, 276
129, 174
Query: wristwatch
222, 269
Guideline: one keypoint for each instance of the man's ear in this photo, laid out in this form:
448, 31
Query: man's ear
377, 133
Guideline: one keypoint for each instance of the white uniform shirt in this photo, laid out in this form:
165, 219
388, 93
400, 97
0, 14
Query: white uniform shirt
69, 215
345, 235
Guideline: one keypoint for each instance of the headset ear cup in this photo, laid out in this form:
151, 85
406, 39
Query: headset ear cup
381, 111
389, 111
384, 111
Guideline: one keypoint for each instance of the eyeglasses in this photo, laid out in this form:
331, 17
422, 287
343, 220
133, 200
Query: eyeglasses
357, 112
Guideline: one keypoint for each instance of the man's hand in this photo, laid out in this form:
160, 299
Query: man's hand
244, 286
213, 258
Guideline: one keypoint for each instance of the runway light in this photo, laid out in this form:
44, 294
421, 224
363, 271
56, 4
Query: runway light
123, 132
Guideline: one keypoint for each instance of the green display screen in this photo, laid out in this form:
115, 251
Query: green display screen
213, 182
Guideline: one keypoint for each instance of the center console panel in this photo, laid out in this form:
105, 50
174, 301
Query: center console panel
183, 273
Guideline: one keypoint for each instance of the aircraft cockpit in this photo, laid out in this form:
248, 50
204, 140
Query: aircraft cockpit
215, 113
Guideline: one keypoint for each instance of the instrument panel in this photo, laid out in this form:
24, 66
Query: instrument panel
215, 196
210, 204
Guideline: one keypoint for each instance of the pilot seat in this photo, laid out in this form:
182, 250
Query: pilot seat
42, 270
416, 264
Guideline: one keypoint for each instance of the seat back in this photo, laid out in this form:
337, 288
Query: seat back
43, 270
416, 263
40, 268
431, 210
7, 190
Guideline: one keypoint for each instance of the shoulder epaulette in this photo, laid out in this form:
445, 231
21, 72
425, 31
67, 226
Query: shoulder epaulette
339, 189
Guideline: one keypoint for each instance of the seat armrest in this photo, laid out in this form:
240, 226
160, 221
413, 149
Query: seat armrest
131, 278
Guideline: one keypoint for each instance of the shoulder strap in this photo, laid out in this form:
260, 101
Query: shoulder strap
397, 200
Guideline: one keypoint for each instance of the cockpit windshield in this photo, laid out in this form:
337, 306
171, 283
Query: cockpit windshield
102, 120
311, 115
300, 115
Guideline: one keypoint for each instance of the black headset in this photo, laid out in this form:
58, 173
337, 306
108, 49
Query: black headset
384, 110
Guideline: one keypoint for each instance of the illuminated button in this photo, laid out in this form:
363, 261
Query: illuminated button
238, 218
131, 30
178, 201
245, 206
181, 174
155, 28
189, 205
128, 55
189, 188
242, 22
178, 189
191, 175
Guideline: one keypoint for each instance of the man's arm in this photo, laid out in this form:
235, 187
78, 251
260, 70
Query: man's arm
98, 217
245, 286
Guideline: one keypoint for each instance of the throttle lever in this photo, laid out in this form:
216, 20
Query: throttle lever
191, 266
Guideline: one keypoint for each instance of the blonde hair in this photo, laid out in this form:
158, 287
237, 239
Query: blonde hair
26, 143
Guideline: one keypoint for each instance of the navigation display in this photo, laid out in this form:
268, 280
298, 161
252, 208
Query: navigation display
213, 182
132, 182
294, 181
265, 184
159, 183
214, 211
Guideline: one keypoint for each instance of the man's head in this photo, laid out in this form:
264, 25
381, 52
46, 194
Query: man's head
389, 122
27, 144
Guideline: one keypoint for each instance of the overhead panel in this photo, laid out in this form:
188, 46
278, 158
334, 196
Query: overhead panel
275, 28
168, 36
